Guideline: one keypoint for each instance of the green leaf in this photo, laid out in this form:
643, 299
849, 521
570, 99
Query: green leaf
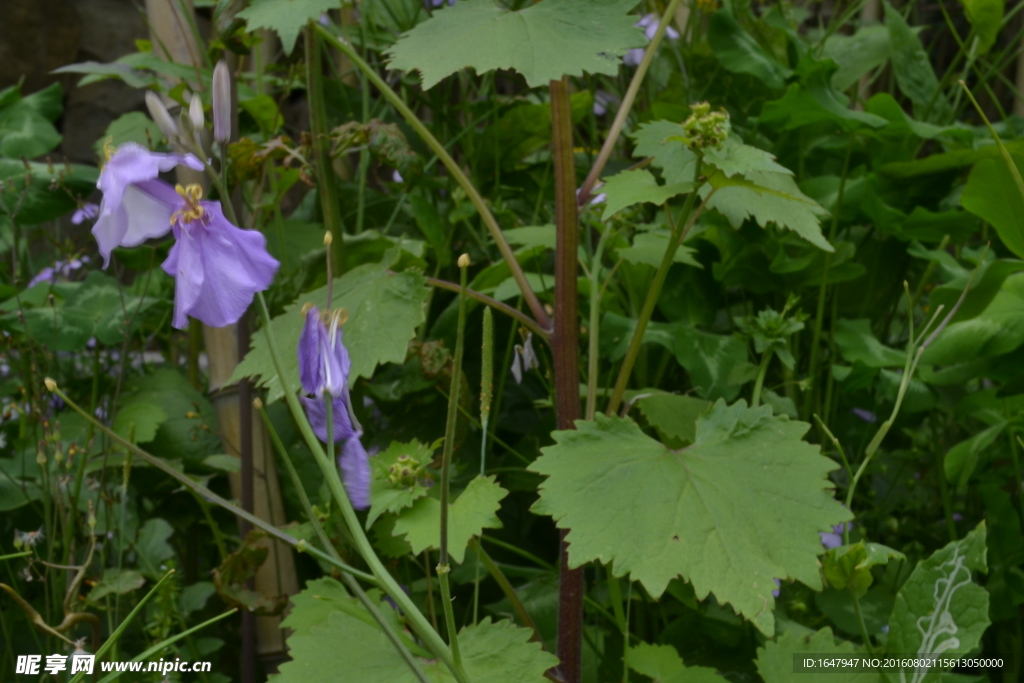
532, 236
767, 198
101, 299
673, 416
51, 193
430, 223
15, 493
341, 641
856, 55
913, 69
940, 609
674, 158
708, 358
386, 494
116, 582
140, 420
699, 512
384, 311
997, 330
738, 52
633, 187
775, 660
471, 513
816, 100
963, 458
223, 462
25, 133
663, 665
992, 195
735, 158
858, 344
152, 547
649, 249
542, 42
849, 566
287, 17
131, 127
986, 16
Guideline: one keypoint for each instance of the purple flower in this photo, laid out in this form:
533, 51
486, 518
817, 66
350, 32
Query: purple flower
85, 212
439, 3
649, 23
136, 206
865, 415
775, 593
217, 267
323, 359
316, 411
324, 366
60, 269
835, 538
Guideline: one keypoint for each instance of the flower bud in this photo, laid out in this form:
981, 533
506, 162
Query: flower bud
464, 261
221, 102
195, 112
257, 403
160, 115
50, 384
328, 238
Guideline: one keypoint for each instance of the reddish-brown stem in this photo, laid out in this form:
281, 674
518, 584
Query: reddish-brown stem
565, 352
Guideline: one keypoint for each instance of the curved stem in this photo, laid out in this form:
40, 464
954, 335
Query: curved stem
627, 105
860, 620
382, 577
755, 397
349, 581
526, 320
207, 494
460, 177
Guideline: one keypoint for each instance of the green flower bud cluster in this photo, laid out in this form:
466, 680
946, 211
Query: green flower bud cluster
407, 472
705, 128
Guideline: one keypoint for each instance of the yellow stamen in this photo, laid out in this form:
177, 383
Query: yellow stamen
108, 148
193, 211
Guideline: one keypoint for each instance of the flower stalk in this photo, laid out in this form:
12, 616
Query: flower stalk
446, 464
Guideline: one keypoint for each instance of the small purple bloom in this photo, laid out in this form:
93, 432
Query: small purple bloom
775, 593
439, 3
602, 100
136, 205
865, 415
323, 371
218, 268
323, 359
525, 359
85, 212
835, 538
61, 269
355, 468
957, 517
649, 23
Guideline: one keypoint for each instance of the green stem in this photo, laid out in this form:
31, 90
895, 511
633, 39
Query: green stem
330, 205
446, 464
506, 587
206, 493
594, 327
513, 313
381, 576
860, 620
755, 397
460, 177
679, 231
819, 318
350, 582
627, 104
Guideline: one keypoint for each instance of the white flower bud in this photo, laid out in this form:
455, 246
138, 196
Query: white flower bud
221, 103
161, 116
195, 112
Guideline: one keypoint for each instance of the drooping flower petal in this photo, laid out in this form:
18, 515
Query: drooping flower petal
355, 470
218, 268
316, 412
221, 102
324, 363
136, 206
